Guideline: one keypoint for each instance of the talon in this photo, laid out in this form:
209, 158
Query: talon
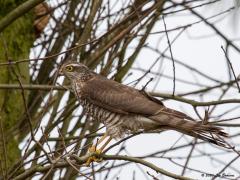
93, 158
89, 161
93, 149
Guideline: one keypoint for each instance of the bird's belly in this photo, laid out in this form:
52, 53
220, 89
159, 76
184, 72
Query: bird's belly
118, 124
146, 121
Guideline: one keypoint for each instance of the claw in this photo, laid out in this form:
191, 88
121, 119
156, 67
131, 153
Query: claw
93, 158
93, 149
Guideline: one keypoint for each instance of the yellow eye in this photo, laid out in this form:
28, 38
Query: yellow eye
69, 68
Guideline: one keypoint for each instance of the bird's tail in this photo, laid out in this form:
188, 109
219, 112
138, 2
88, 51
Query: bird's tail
206, 132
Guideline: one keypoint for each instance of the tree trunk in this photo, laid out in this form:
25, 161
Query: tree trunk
15, 43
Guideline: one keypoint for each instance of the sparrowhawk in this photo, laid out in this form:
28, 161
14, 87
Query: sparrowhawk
124, 109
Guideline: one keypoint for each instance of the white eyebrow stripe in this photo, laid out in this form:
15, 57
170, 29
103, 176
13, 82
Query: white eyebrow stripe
74, 65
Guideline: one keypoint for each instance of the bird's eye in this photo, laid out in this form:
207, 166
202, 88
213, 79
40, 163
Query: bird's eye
69, 68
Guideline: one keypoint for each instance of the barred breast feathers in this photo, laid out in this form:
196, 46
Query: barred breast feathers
117, 124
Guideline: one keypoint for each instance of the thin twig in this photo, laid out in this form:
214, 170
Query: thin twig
229, 62
173, 62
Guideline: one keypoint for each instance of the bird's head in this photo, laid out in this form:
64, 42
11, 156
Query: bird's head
75, 71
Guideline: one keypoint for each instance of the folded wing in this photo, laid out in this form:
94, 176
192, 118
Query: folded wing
120, 98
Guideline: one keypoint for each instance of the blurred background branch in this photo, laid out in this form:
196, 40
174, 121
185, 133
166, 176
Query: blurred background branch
44, 133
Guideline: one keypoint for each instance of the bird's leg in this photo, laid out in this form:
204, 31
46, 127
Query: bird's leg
93, 149
105, 144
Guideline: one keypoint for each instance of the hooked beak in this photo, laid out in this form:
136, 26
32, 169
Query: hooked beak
60, 72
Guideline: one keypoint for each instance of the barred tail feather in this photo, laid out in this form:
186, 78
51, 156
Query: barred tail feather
206, 132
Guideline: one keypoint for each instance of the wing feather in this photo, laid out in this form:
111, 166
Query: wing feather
119, 98
123, 99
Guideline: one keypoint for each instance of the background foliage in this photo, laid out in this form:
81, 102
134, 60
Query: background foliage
44, 132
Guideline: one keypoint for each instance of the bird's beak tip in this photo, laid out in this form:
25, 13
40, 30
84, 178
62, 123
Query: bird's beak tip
60, 72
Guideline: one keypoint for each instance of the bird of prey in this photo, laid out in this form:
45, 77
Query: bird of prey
123, 109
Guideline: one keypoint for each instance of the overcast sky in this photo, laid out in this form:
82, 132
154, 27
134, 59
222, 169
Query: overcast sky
199, 48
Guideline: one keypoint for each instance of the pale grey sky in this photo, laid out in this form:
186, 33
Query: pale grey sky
199, 48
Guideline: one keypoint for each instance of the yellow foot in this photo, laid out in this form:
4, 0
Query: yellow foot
93, 158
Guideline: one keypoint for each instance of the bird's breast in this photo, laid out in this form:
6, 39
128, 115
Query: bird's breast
99, 113
109, 118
